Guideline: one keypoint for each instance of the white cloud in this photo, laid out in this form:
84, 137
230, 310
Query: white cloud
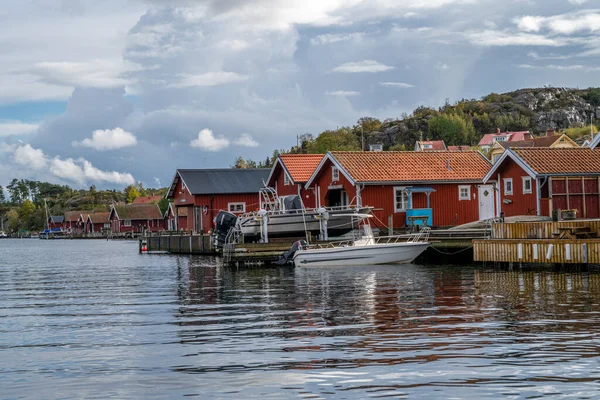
29, 157
400, 85
80, 171
10, 128
565, 24
578, 2
362, 66
109, 139
328, 38
343, 93
246, 140
207, 141
574, 67
441, 66
209, 79
94, 73
500, 38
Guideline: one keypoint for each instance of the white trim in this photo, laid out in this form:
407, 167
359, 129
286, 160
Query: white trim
287, 181
335, 162
527, 179
468, 196
127, 223
509, 153
237, 203
335, 174
512, 187
408, 198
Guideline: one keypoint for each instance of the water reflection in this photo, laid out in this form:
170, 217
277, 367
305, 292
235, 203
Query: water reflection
128, 326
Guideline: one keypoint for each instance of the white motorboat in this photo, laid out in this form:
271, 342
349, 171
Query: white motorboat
368, 250
3, 235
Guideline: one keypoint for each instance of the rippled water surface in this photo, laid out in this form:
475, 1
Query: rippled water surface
93, 319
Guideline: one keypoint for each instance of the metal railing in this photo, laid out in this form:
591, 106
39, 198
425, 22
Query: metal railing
421, 236
231, 241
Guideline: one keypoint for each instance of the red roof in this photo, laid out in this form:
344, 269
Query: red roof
147, 200
301, 166
560, 161
413, 166
435, 145
488, 139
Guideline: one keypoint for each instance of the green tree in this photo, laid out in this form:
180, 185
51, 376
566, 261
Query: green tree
163, 205
240, 163
512, 122
13, 220
584, 131
452, 128
131, 193
339, 140
2, 196
27, 208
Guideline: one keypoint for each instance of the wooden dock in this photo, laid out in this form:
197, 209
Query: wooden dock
562, 242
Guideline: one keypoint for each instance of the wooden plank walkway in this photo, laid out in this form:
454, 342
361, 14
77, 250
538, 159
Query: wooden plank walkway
537, 251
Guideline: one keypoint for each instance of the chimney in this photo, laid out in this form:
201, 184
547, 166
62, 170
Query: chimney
498, 129
550, 132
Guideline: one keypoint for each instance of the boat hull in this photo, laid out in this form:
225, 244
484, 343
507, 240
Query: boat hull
393, 253
295, 224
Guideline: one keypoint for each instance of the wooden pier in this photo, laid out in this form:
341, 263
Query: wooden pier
562, 242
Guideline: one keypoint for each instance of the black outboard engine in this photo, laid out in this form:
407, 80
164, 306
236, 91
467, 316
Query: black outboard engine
224, 221
289, 255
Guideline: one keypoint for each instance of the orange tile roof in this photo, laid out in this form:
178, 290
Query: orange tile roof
560, 161
411, 166
301, 166
461, 147
147, 200
435, 145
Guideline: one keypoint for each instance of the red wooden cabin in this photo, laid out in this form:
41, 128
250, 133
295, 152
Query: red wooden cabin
535, 181
74, 222
199, 194
97, 222
56, 222
289, 175
170, 218
136, 218
446, 185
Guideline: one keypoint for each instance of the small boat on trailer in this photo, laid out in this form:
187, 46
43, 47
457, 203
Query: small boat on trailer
367, 250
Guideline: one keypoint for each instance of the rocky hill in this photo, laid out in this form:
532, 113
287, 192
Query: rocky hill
536, 110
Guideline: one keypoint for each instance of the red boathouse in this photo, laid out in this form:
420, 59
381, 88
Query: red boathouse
199, 194
290, 173
97, 222
136, 218
535, 181
445, 186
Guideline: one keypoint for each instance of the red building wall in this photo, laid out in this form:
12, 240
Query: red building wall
522, 204
582, 195
308, 196
153, 225
446, 207
324, 180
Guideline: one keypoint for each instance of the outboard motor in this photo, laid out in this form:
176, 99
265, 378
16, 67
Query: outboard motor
289, 255
224, 221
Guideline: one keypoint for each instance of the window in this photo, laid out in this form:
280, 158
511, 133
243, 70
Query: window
401, 199
496, 157
500, 138
508, 186
464, 192
237, 207
527, 185
335, 174
376, 147
106, 226
427, 145
126, 222
286, 179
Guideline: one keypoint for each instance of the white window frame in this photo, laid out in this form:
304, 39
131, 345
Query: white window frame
127, 222
107, 226
235, 205
335, 174
527, 179
427, 146
408, 199
286, 179
512, 187
467, 196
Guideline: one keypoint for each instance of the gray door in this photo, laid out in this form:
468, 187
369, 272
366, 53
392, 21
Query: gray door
197, 219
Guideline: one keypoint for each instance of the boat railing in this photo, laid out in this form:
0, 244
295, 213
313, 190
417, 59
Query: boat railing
421, 236
231, 241
303, 211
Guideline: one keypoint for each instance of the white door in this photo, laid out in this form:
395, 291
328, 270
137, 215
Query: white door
486, 202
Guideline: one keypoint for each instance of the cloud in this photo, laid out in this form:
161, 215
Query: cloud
400, 85
575, 67
329, 38
79, 171
109, 139
29, 157
246, 140
343, 93
362, 66
93, 73
565, 24
207, 141
500, 38
16, 128
209, 79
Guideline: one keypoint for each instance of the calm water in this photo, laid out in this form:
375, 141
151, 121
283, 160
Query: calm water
94, 319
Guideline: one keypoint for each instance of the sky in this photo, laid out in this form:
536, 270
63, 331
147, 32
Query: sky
114, 92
